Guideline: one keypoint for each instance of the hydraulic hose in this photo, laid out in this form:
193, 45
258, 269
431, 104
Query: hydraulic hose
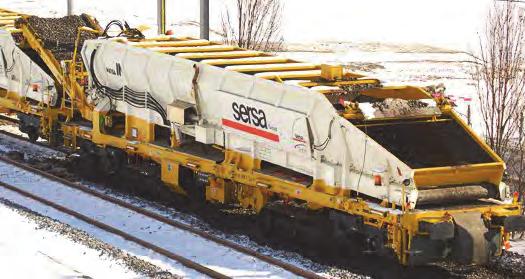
131, 97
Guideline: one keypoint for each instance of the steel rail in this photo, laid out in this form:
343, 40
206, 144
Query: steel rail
184, 261
9, 119
244, 250
38, 143
16, 122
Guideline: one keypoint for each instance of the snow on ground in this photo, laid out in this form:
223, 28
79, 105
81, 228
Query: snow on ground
210, 254
8, 144
518, 247
27, 252
116, 241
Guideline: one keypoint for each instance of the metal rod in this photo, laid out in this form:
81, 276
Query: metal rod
70, 7
205, 19
161, 16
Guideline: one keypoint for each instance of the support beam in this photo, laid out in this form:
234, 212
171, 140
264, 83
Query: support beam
161, 16
205, 19
70, 7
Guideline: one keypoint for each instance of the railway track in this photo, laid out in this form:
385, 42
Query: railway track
15, 122
9, 119
296, 271
453, 271
144, 243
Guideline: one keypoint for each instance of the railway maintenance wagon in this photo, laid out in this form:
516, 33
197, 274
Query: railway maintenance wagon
320, 153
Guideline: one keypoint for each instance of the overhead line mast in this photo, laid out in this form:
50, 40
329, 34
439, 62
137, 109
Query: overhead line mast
161, 16
205, 19
70, 7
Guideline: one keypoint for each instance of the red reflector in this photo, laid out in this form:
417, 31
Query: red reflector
35, 87
377, 180
507, 245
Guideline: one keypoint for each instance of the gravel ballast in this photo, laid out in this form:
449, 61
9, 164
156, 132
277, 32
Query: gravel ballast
106, 251
58, 35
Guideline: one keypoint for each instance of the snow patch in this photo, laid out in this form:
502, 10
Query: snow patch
518, 246
27, 252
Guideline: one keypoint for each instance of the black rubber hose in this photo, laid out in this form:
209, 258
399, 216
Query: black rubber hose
136, 99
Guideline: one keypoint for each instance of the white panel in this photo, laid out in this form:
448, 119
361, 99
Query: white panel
239, 143
270, 154
267, 91
210, 80
326, 172
158, 71
210, 77
3, 74
300, 163
236, 83
219, 137
181, 76
205, 134
22, 75
134, 70
298, 99
111, 63
100, 69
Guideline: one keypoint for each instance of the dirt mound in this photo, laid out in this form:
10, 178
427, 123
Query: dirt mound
398, 107
363, 66
58, 34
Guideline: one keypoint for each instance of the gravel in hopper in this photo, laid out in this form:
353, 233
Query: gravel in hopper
58, 35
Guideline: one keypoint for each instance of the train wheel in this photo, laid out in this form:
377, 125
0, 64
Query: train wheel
85, 165
33, 134
351, 245
264, 224
104, 164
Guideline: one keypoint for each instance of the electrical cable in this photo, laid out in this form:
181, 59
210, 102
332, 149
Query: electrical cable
131, 97
322, 146
4, 59
125, 30
109, 25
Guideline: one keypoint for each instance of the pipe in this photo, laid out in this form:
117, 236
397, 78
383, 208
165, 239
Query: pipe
161, 16
70, 7
205, 19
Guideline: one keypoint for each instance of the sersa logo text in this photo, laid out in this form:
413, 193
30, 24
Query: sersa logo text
249, 115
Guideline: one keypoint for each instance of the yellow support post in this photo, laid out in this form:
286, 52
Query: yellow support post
161, 16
